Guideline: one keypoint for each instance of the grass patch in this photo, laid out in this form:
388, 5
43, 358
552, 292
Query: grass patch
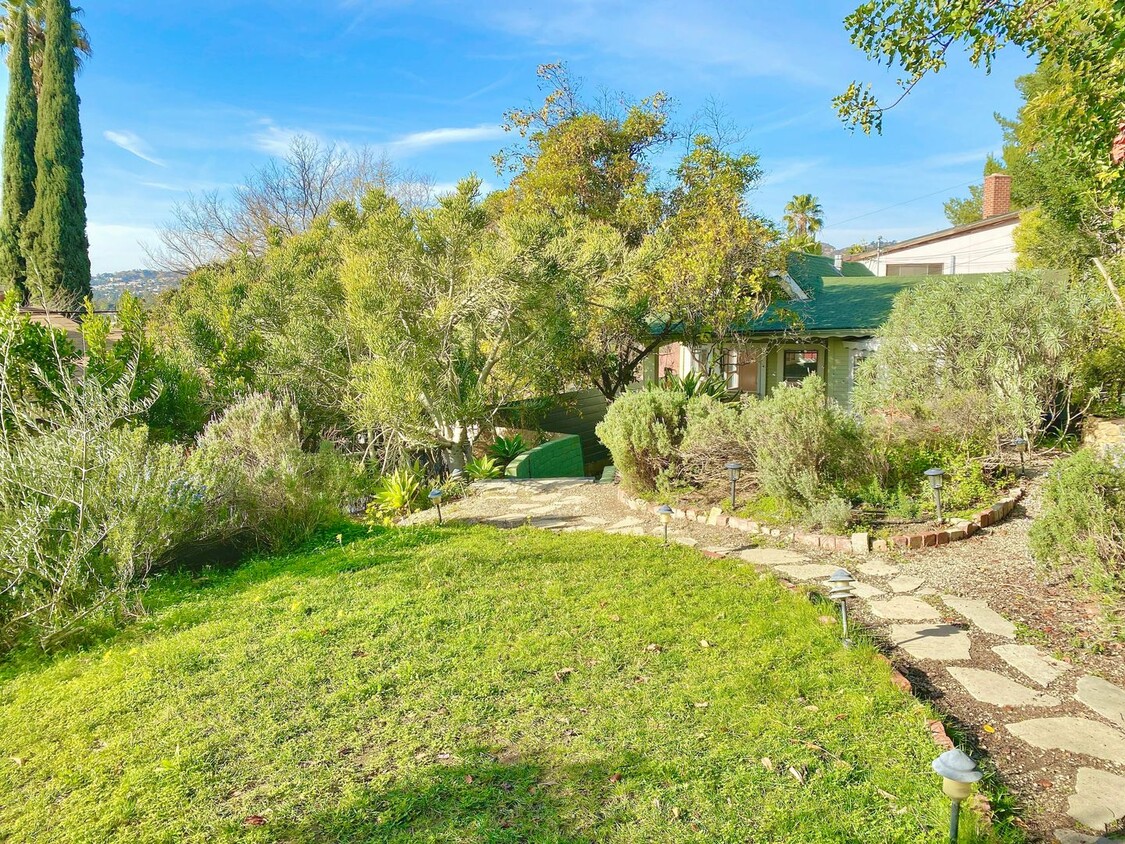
468, 685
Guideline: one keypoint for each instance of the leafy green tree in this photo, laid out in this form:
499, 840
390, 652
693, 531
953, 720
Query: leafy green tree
1058, 149
804, 215
171, 395
451, 316
268, 323
36, 35
720, 259
690, 257
54, 236
19, 156
595, 162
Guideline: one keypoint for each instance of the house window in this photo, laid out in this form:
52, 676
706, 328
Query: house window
915, 269
858, 357
799, 364
748, 370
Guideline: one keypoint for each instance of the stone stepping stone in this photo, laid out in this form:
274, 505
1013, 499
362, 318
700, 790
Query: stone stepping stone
866, 590
1028, 660
878, 568
807, 571
595, 520
1074, 735
543, 511
1104, 698
1098, 799
684, 540
990, 687
981, 615
939, 642
719, 550
773, 556
628, 521
549, 524
905, 608
1070, 836
905, 583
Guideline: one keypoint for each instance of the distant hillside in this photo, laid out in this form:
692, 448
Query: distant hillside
143, 283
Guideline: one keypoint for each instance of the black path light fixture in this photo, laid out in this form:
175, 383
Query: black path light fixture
734, 469
958, 773
665, 514
435, 499
936, 477
839, 590
1020, 444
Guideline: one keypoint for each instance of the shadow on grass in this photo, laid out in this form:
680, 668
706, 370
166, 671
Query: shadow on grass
187, 587
493, 801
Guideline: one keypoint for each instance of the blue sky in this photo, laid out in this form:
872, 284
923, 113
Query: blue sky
191, 96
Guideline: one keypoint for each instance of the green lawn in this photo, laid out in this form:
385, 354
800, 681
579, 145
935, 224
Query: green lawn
470, 685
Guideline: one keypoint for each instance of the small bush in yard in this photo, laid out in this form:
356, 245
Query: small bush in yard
805, 443
832, 515
262, 487
717, 433
642, 431
1081, 527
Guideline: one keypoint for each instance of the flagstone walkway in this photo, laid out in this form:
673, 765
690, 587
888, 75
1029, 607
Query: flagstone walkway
1053, 728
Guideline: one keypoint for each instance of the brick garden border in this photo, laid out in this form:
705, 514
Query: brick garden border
857, 543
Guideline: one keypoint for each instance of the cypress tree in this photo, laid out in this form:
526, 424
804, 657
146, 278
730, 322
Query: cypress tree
19, 155
55, 245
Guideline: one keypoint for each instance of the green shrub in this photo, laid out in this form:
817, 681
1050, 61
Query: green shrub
507, 449
642, 431
717, 433
805, 443
483, 469
832, 515
262, 487
88, 506
1081, 527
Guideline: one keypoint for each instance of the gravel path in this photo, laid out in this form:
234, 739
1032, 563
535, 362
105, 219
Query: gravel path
1021, 663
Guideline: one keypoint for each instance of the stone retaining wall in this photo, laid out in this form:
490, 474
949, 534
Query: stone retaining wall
857, 543
1104, 434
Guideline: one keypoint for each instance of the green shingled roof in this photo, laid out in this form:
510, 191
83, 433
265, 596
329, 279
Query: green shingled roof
848, 299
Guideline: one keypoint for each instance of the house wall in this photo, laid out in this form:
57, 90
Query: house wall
835, 366
983, 251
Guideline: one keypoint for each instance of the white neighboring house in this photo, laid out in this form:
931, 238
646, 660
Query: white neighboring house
986, 246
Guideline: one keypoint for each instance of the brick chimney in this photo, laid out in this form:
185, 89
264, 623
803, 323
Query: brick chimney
997, 194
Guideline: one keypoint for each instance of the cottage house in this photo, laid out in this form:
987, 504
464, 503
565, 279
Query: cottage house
827, 324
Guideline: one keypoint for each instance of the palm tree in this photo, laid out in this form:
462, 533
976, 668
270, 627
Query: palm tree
36, 20
804, 216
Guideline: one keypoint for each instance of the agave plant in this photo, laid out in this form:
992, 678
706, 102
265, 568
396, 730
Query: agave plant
692, 384
507, 449
483, 468
400, 492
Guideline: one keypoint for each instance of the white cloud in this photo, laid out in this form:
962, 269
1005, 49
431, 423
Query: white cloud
132, 143
274, 139
439, 137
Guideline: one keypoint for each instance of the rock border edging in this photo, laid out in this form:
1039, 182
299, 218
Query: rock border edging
857, 543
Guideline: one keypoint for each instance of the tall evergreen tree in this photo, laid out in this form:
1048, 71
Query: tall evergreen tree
55, 245
19, 156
